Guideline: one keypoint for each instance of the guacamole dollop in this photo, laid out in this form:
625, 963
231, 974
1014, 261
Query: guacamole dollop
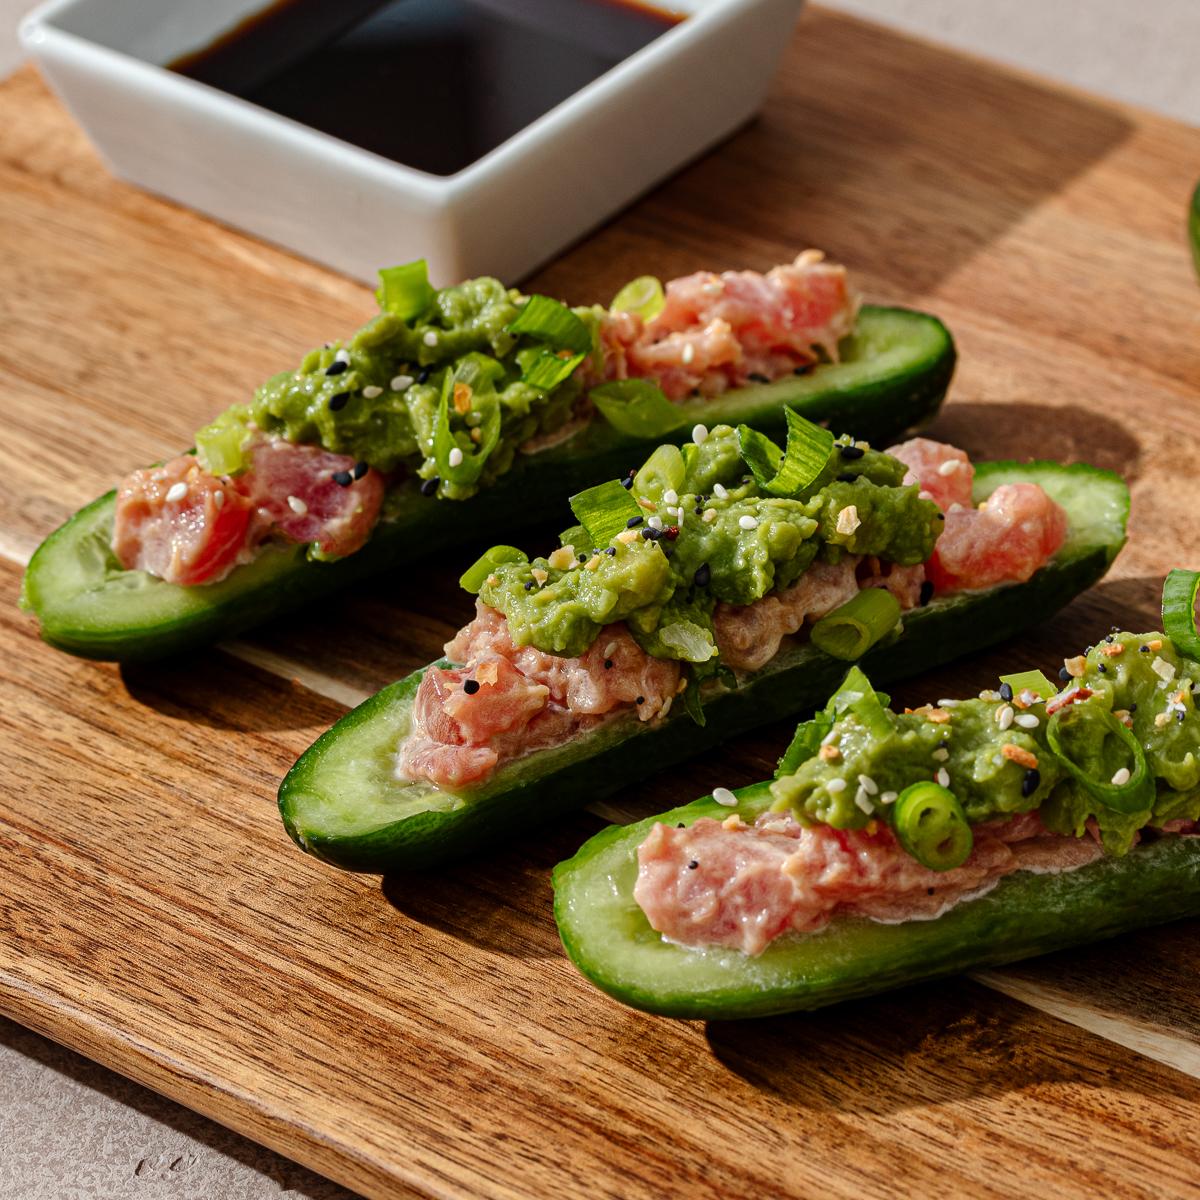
1138, 677
723, 539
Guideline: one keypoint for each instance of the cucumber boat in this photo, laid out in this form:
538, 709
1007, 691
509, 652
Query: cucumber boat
891, 375
1088, 828
344, 803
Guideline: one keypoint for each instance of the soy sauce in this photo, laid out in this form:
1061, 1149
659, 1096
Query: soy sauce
432, 84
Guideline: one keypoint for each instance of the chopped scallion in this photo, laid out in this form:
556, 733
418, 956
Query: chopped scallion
851, 630
805, 743
1137, 793
548, 370
405, 291
604, 511
479, 373
931, 825
1030, 681
555, 323
637, 408
1179, 612
475, 576
784, 473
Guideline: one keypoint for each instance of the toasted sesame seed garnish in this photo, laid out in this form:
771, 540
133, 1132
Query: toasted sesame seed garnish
941, 754
924, 495
608, 664
540, 575
298, 506
1076, 666
670, 496
592, 563
1121, 778
630, 535
371, 391
988, 694
342, 478
430, 339
1163, 669
939, 716
949, 703
689, 352
1156, 644
724, 796
949, 466
748, 522
493, 580
829, 753
1019, 754
462, 397
562, 558
835, 785
943, 777
1112, 650
612, 550
732, 822
709, 516
868, 785
848, 521
682, 685
699, 434
455, 457
177, 491
1004, 716
401, 383
342, 356
219, 498
720, 492
655, 522
1028, 721
1162, 719
648, 505
423, 374
863, 801
889, 797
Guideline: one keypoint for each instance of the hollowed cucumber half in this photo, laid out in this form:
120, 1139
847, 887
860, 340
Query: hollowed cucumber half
894, 373
607, 936
343, 803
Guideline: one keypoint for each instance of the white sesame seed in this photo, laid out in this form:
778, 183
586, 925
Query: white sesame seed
948, 703
401, 383
889, 797
298, 506
455, 457
670, 496
835, 785
371, 391
748, 522
923, 495
943, 777
997, 760
955, 507
1121, 778
860, 798
1028, 721
654, 522
941, 754
869, 785
831, 736
219, 499
689, 352
1004, 718
430, 339
342, 356
177, 491
949, 466
724, 796
720, 492
710, 515
700, 434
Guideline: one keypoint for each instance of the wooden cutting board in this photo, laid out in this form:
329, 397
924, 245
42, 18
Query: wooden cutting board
426, 1037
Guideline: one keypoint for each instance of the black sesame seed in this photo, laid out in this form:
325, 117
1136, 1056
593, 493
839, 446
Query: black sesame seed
1116, 628
1181, 714
929, 891
1103, 669
1144, 649
641, 699
695, 391
759, 378
471, 686
747, 478
926, 592
633, 522
430, 485
1006, 691
699, 510
1109, 639
424, 374
1132, 709
943, 745
802, 370
693, 865
343, 478
847, 477
851, 452
627, 483
680, 825
1064, 674
1089, 650
1031, 782
336, 368
611, 552
529, 586
703, 575
941, 516
608, 664
667, 552
360, 469
338, 402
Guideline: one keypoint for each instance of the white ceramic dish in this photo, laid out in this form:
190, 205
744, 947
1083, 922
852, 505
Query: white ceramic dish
503, 215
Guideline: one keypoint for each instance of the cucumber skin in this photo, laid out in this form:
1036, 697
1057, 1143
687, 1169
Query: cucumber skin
1194, 228
1026, 915
876, 410
932, 637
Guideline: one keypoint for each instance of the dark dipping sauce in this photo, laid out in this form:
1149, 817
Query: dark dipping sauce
432, 84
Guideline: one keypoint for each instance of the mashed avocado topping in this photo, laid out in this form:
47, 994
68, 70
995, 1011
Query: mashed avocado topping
376, 397
996, 756
722, 538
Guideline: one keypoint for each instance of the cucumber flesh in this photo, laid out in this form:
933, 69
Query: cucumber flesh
341, 802
607, 936
895, 372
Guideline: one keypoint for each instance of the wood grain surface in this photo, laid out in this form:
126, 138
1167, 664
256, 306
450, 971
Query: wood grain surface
426, 1037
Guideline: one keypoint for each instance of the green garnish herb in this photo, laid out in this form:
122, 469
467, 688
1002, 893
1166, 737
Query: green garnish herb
1128, 791
851, 630
474, 577
604, 511
932, 827
784, 473
549, 370
637, 408
1179, 612
553, 322
1030, 681
405, 291
457, 460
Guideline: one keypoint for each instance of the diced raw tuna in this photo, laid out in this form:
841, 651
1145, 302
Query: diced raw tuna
903, 582
942, 470
1015, 533
196, 537
735, 885
217, 523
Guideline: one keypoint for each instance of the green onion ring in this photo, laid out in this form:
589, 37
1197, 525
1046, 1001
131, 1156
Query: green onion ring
1179, 612
1134, 796
850, 631
932, 827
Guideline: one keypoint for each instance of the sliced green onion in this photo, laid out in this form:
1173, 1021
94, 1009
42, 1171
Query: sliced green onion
850, 631
856, 695
554, 323
663, 470
643, 296
932, 827
1179, 612
485, 401
805, 743
691, 700
1030, 681
604, 511
693, 642
475, 576
219, 445
788, 472
405, 291
1135, 795
548, 370
637, 408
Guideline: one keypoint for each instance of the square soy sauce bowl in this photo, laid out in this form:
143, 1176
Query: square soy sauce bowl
481, 135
